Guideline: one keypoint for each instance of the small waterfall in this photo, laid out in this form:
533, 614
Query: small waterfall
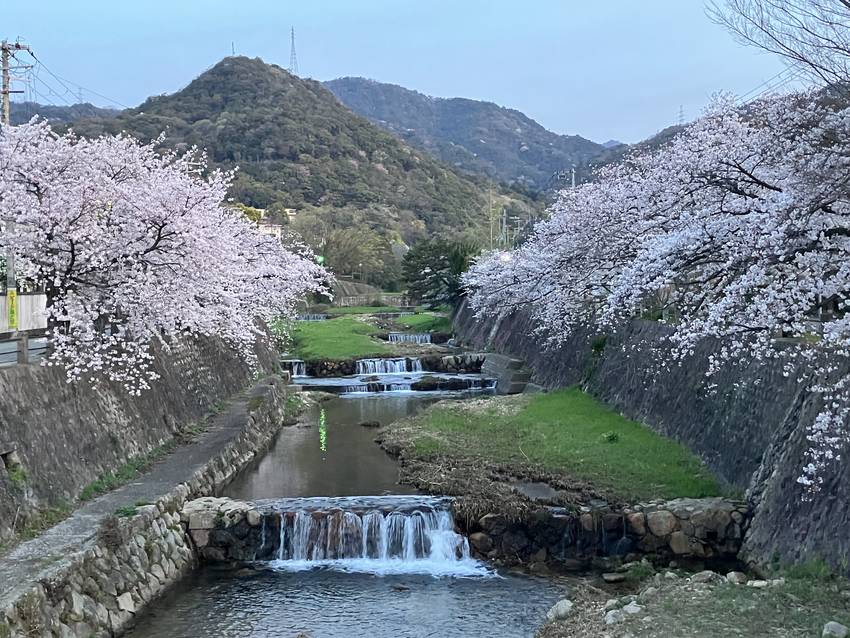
296, 367
388, 366
380, 535
401, 382
403, 337
312, 317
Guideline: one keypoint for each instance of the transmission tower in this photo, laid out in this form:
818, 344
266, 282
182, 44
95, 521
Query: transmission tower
681, 115
293, 59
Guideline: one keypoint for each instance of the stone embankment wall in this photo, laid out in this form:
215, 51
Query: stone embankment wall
712, 528
56, 437
702, 529
97, 590
749, 427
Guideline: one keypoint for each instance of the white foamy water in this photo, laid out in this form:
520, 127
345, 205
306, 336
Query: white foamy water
375, 535
403, 337
388, 366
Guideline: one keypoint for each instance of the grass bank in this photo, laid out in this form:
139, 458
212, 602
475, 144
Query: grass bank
565, 433
343, 338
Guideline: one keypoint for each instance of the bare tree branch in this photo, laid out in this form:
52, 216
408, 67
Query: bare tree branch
814, 35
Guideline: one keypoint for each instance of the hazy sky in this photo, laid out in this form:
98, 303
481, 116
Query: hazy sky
616, 69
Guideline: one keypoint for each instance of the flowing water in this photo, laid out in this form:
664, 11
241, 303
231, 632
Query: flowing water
404, 337
330, 604
378, 535
389, 366
333, 563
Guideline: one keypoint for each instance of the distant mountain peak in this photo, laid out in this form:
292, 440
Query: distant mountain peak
612, 143
476, 136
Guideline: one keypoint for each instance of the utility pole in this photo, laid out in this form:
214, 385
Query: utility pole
573, 176
490, 212
6, 53
6, 49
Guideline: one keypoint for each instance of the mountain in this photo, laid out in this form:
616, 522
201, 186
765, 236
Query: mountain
351, 189
20, 112
615, 152
475, 136
612, 143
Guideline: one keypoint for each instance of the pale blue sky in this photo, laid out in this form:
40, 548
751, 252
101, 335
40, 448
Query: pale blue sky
617, 69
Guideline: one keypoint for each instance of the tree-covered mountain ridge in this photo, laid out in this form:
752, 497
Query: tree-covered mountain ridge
472, 135
296, 146
356, 193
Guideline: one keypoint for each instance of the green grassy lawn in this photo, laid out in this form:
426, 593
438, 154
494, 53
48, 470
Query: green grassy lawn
361, 310
425, 322
571, 433
342, 338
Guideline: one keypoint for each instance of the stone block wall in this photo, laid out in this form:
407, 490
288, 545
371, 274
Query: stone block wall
129, 561
704, 529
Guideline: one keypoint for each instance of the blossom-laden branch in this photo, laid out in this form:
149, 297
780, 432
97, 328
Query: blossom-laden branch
135, 247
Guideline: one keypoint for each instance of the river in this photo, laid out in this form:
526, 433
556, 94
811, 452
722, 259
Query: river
377, 566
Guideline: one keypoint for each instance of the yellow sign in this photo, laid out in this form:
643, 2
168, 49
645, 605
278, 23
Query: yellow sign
12, 308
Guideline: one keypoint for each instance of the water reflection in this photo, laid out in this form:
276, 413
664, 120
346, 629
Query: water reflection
323, 431
354, 465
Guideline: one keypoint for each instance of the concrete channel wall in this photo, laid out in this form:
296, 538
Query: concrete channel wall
749, 428
91, 574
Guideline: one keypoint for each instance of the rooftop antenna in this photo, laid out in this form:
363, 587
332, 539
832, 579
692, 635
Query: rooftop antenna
293, 59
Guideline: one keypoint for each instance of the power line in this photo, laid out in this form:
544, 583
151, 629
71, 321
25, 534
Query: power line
778, 81
78, 86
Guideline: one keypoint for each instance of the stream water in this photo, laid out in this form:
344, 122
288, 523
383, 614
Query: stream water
350, 551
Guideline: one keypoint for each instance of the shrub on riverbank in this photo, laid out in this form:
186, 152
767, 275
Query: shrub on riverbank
425, 322
565, 433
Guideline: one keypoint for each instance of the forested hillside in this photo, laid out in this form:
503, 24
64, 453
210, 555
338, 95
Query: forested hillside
356, 189
20, 112
478, 137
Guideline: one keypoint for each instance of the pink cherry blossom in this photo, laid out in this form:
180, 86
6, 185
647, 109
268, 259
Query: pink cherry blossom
135, 247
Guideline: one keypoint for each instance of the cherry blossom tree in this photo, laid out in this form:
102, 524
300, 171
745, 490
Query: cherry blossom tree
739, 230
135, 248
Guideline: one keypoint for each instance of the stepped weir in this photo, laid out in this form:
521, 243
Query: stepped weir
389, 366
370, 534
404, 337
